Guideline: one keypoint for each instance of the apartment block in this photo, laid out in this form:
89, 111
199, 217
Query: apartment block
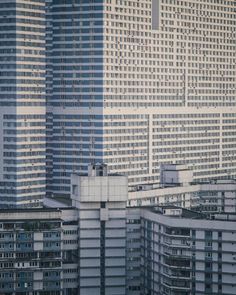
134, 84
39, 251
22, 105
100, 245
178, 188
101, 202
137, 84
185, 253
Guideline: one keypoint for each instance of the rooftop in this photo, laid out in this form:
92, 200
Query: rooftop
174, 211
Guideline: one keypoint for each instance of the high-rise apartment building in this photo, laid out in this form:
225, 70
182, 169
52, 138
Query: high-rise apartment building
75, 100
139, 83
22, 102
134, 84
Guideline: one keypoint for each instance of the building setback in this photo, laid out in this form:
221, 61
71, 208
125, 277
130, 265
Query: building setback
177, 188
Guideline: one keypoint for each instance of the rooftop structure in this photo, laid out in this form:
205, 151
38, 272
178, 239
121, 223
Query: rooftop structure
177, 188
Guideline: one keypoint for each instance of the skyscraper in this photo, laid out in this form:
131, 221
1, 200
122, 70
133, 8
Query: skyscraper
22, 103
139, 83
134, 84
75, 92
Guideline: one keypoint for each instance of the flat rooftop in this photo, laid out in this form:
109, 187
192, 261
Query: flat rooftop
178, 212
174, 211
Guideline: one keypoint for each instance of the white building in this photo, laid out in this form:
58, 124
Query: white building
101, 202
184, 253
134, 84
137, 84
177, 188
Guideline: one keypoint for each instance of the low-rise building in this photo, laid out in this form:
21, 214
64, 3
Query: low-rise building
96, 244
177, 188
101, 203
185, 253
39, 251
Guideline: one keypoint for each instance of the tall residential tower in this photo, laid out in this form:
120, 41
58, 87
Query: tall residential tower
22, 102
131, 83
140, 83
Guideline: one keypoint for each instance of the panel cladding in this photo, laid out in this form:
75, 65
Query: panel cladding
189, 61
185, 70
75, 90
22, 90
102, 248
142, 66
182, 255
156, 14
118, 90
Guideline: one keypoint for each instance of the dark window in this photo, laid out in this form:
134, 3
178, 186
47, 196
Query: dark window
103, 204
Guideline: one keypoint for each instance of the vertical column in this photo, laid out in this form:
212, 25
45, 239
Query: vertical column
156, 14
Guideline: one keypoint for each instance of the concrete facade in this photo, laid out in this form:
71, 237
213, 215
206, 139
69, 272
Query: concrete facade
210, 197
138, 84
38, 251
134, 84
186, 254
23, 104
101, 201
102, 246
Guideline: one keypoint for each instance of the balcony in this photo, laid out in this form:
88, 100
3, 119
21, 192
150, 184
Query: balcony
175, 274
24, 247
24, 277
51, 246
51, 286
23, 237
6, 287
24, 287
185, 287
7, 278
6, 237
177, 232
52, 276
177, 243
177, 255
177, 263
52, 236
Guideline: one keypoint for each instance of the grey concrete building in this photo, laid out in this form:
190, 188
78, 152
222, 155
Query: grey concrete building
22, 103
39, 251
97, 244
178, 188
101, 201
185, 253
